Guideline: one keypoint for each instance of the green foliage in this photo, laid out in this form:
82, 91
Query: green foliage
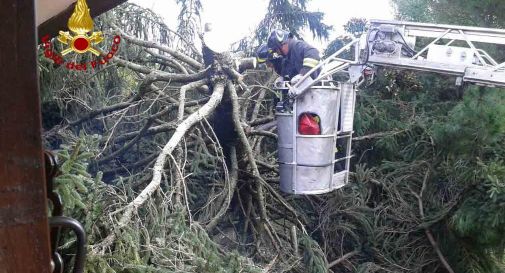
290, 15
478, 124
189, 18
488, 13
463, 142
211, 260
80, 192
293, 16
424, 123
313, 257
413, 10
481, 216
74, 180
337, 44
356, 26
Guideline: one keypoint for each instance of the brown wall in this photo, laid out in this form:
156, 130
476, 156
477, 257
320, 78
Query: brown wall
24, 242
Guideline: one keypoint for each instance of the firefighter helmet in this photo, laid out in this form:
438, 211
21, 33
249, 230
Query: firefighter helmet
263, 54
277, 38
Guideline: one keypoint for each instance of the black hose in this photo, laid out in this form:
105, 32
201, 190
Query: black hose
367, 48
412, 51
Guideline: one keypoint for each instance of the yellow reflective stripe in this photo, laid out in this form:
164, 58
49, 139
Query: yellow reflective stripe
310, 62
259, 60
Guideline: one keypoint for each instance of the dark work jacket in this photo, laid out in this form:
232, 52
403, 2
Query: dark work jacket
277, 64
301, 58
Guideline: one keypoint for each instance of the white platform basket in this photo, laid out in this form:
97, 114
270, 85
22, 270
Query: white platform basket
316, 164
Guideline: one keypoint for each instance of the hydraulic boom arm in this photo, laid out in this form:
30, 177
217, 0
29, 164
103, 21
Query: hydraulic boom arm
443, 49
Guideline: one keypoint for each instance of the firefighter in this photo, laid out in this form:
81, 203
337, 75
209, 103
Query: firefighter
299, 57
263, 55
266, 56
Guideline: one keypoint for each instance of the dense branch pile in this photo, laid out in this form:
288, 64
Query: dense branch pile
157, 140
170, 161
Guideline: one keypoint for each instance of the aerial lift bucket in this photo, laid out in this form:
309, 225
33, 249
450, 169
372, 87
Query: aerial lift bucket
314, 139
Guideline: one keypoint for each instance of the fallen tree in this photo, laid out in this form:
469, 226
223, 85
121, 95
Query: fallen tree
169, 159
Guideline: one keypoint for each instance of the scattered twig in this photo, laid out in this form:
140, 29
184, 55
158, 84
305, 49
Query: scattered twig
430, 236
343, 258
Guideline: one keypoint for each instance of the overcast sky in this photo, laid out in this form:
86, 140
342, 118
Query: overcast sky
234, 19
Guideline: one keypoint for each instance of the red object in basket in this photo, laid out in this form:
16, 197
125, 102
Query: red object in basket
308, 124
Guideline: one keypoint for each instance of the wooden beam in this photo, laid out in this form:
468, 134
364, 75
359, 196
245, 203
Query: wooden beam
24, 231
59, 22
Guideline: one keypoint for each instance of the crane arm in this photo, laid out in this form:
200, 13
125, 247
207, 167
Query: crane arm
442, 49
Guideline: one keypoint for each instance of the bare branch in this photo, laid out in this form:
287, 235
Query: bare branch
181, 130
182, 95
190, 61
430, 236
376, 135
127, 146
233, 183
343, 258
243, 138
263, 133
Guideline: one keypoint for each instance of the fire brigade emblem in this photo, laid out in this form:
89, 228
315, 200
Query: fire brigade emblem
80, 24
